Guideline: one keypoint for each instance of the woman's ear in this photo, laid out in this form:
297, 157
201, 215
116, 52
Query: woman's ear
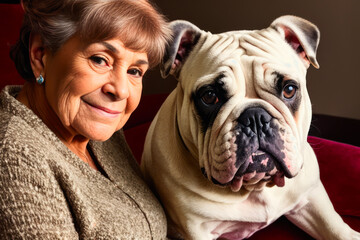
36, 54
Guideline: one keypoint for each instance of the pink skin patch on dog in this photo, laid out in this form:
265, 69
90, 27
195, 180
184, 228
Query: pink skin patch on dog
264, 162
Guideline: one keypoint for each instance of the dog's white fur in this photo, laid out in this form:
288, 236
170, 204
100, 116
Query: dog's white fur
177, 147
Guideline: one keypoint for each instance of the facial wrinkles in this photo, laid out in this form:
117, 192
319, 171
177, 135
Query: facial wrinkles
218, 146
70, 101
70, 74
126, 87
264, 45
209, 56
269, 45
222, 144
232, 83
83, 113
280, 112
134, 85
220, 46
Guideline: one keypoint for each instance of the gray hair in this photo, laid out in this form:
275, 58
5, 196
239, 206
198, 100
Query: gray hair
136, 22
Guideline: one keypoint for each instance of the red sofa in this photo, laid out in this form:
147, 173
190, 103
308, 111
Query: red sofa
339, 162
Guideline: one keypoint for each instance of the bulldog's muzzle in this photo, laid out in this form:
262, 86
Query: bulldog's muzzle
260, 151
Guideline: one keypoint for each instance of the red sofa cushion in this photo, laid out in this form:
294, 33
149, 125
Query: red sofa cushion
340, 173
10, 22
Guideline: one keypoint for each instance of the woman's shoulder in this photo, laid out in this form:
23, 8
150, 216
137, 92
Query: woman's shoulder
19, 142
12, 129
14, 118
24, 139
21, 131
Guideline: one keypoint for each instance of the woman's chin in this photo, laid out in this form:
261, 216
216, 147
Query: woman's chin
96, 132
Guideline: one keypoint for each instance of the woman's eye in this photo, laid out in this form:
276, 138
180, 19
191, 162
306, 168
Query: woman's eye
135, 72
289, 91
99, 60
210, 98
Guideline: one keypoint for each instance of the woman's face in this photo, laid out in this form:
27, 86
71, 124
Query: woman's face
94, 88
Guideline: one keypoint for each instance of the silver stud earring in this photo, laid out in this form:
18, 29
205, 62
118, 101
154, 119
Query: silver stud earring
40, 80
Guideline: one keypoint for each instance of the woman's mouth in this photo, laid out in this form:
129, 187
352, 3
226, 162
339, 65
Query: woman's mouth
106, 112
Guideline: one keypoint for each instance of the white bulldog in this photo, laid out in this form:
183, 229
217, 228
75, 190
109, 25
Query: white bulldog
227, 153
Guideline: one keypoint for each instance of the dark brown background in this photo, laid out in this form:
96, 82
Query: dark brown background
334, 89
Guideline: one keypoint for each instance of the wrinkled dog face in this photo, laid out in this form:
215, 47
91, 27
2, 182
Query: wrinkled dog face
249, 108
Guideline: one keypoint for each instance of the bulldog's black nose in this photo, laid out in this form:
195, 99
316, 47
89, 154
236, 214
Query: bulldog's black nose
255, 120
259, 135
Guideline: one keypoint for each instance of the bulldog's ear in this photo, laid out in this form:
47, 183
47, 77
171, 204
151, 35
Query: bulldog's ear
185, 37
302, 35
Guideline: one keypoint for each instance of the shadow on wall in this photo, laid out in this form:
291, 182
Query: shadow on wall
333, 89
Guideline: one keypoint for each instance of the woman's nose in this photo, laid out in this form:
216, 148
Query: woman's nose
118, 87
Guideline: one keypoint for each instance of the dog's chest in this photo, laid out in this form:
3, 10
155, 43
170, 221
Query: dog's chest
245, 218
237, 230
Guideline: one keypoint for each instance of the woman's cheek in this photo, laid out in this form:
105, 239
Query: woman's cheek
68, 110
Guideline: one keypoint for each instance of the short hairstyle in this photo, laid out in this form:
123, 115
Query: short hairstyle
136, 22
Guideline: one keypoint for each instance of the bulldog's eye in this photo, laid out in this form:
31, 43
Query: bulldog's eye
210, 98
289, 91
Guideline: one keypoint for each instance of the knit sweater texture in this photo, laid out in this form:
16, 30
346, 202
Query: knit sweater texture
47, 192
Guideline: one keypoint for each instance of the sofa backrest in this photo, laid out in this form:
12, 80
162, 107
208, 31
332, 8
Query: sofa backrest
11, 16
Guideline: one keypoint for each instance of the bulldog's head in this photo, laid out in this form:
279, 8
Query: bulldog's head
242, 106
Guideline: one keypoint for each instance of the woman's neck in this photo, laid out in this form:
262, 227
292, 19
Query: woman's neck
33, 96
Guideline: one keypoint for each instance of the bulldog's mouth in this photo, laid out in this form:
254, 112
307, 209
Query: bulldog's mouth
258, 154
259, 167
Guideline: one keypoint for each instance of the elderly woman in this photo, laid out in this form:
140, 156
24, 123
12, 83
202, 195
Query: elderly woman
66, 170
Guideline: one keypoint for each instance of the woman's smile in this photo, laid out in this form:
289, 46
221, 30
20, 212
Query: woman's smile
103, 111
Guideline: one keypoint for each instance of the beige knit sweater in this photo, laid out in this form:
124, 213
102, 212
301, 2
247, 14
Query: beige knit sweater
47, 192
